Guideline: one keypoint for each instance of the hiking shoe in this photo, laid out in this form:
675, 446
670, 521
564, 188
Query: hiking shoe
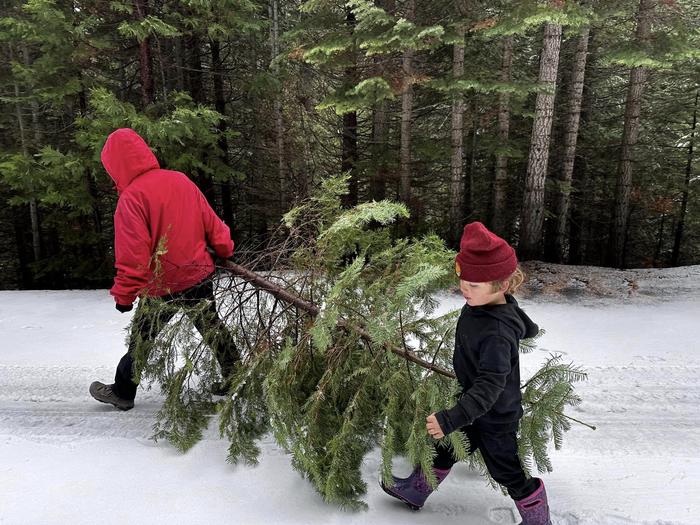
104, 394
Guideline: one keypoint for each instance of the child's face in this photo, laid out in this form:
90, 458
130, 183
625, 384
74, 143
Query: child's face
480, 294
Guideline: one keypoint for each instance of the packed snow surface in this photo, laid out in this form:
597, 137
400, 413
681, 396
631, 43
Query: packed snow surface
66, 459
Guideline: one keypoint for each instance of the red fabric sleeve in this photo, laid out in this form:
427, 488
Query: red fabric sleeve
132, 251
218, 234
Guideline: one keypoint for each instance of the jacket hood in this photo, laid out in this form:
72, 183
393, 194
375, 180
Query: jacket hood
510, 314
125, 156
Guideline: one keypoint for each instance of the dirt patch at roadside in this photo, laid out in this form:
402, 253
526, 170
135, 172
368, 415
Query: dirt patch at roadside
556, 281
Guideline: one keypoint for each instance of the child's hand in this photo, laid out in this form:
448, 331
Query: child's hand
433, 427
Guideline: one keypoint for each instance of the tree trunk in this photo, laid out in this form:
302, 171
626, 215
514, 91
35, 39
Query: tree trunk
406, 115
179, 65
675, 256
33, 205
379, 150
498, 220
533, 205
350, 155
380, 127
145, 56
273, 11
469, 206
220, 105
563, 199
616, 255
456, 218
349, 150
33, 212
195, 74
659, 241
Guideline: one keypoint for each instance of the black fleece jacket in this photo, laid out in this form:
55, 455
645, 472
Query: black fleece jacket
487, 366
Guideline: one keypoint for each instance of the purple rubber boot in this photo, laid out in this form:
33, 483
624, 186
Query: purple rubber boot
534, 509
414, 489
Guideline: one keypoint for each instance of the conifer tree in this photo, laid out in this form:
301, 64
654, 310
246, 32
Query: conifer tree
333, 382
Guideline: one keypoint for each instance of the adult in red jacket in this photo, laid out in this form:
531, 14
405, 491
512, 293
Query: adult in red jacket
163, 226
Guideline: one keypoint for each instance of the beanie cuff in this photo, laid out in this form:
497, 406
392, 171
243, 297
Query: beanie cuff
483, 273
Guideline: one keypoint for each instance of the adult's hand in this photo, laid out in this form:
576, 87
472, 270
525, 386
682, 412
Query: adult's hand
123, 308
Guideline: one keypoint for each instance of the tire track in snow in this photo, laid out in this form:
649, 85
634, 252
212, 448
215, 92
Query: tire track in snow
623, 402
634, 408
52, 404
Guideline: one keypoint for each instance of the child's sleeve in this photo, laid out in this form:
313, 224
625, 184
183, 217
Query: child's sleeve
218, 234
494, 367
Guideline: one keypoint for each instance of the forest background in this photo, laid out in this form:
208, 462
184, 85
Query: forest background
567, 127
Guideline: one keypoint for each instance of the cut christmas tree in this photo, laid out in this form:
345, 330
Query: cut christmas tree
341, 352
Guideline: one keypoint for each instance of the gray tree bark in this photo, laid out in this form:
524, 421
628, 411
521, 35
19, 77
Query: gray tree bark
638, 75
33, 206
406, 115
145, 57
533, 206
220, 104
678, 238
380, 127
350, 153
563, 199
457, 162
498, 220
273, 10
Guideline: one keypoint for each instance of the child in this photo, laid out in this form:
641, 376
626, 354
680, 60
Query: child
160, 212
486, 364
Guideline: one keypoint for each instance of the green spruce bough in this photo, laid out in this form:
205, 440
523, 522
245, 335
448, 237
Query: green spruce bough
333, 386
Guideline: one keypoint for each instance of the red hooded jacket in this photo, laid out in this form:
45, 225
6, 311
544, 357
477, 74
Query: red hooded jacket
162, 225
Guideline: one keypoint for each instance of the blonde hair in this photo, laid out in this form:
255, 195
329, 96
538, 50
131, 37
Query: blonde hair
515, 280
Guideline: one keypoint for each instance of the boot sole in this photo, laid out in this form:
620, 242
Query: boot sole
412, 506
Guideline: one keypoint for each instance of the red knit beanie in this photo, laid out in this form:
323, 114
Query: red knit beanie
483, 256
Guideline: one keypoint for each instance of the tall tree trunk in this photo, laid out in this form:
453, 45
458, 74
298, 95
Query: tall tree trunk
659, 241
195, 81
145, 56
457, 162
638, 75
349, 150
380, 127
469, 205
33, 212
581, 202
350, 155
220, 105
273, 10
195, 74
498, 220
379, 148
406, 115
675, 256
161, 67
563, 198
33, 206
179, 57
533, 205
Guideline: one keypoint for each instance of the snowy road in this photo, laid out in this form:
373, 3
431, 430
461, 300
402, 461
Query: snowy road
66, 459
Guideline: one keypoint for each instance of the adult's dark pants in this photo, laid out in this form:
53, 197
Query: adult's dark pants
500, 453
148, 322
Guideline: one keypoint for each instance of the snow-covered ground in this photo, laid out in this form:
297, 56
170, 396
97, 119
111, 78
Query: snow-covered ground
66, 459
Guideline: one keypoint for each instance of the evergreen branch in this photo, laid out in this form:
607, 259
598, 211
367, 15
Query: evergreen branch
313, 310
592, 427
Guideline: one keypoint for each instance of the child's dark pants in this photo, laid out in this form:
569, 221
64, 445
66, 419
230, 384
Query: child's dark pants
148, 321
500, 453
